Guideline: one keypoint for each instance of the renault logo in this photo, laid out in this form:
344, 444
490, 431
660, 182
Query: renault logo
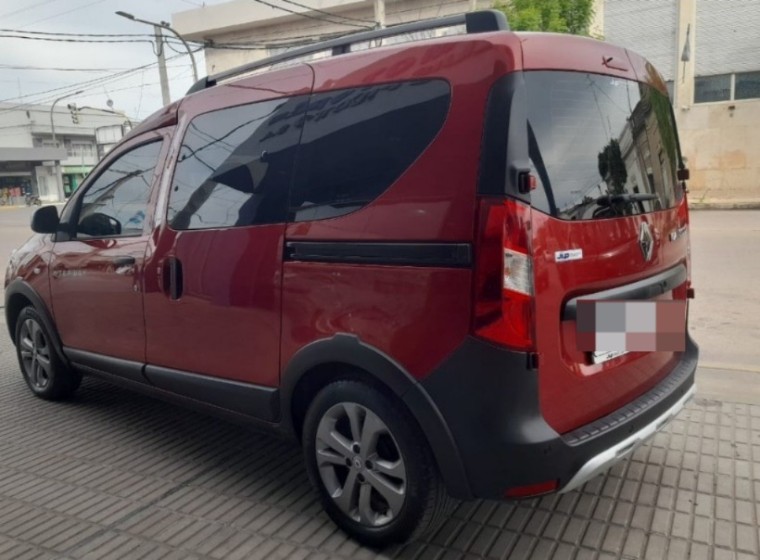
646, 242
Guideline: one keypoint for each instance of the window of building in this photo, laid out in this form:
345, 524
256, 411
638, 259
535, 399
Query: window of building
712, 88
235, 166
727, 87
80, 149
747, 85
116, 203
357, 142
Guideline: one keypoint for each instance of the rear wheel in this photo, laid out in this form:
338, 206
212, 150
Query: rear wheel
44, 372
371, 465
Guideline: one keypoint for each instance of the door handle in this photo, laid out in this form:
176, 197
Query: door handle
173, 281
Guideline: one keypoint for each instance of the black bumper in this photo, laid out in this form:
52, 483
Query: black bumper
488, 397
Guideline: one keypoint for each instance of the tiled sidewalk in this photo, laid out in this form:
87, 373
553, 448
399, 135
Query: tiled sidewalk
117, 475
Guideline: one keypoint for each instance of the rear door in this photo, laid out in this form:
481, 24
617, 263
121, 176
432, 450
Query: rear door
608, 224
213, 302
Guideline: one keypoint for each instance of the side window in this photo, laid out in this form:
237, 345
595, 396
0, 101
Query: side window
234, 167
357, 142
117, 201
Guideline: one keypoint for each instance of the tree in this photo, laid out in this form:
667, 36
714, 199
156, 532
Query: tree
561, 16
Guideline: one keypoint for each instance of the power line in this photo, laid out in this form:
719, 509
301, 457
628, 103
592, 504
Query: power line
71, 40
56, 69
25, 8
61, 33
64, 13
51, 94
322, 19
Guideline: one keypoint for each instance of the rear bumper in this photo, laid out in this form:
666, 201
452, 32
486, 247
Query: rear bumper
605, 459
488, 398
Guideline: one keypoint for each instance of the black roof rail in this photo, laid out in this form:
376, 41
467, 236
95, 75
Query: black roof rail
476, 22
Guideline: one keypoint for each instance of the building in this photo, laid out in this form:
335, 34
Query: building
244, 22
707, 50
49, 153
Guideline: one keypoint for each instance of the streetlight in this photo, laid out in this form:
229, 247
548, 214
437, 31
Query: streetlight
164, 25
52, 123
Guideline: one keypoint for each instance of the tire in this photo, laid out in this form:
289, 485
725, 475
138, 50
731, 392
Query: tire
44, 372
386, 493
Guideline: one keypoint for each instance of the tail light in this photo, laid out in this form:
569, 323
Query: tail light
503, 310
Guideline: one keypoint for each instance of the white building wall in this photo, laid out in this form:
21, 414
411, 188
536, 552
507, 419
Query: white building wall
645, 26
720, 140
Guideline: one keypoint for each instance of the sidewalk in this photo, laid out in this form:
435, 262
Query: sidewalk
113, 474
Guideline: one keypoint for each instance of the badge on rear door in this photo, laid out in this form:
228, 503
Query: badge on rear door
568, 255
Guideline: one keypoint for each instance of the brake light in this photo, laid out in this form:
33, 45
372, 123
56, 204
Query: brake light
503, 308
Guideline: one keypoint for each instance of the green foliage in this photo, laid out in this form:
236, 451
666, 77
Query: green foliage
612, 167
561, 16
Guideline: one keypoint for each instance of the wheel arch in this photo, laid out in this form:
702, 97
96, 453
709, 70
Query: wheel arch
345, 356
19, 295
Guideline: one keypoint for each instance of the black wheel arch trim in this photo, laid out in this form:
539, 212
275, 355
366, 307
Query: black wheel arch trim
349, 350
20, 287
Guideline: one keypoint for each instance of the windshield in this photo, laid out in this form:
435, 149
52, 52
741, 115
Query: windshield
599, 146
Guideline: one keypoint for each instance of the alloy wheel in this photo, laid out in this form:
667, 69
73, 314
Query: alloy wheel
360, 464
35, 354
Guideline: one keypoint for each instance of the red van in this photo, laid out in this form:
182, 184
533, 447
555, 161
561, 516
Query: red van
383, 253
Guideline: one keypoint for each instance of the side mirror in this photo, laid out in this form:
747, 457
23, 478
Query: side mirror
683, 174
45, 220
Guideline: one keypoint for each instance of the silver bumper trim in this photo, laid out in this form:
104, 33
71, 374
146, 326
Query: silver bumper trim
604, 460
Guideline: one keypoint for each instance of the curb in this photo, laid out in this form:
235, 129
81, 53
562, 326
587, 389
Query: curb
724, 204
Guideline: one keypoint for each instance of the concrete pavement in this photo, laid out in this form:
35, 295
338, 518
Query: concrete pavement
112, 474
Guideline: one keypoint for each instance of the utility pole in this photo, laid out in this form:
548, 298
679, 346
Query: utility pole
165, 97
380, 13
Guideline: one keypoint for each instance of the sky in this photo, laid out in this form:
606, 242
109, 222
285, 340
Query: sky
138, 94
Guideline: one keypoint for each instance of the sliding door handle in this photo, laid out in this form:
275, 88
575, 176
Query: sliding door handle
173, 281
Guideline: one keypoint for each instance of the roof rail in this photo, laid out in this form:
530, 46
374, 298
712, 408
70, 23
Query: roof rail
476, 22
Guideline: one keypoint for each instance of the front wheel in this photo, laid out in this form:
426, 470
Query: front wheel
44, 372
372, 466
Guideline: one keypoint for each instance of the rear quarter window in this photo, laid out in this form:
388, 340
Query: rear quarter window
357, 142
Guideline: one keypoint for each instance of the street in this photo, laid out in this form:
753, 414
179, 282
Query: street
112, 474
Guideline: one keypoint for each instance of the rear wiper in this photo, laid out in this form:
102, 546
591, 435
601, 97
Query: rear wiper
609, 199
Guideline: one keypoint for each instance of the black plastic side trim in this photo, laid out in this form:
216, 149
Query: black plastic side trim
405, 254
19, 287
116, 366
243, 398
187, 402
643, 289
349, 350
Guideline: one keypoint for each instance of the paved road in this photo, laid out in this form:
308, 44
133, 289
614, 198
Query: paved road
116, 475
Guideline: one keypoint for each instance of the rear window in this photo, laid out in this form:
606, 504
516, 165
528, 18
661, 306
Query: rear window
599, 146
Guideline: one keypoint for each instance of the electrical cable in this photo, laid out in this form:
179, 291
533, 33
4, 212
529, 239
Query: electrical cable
45, 96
